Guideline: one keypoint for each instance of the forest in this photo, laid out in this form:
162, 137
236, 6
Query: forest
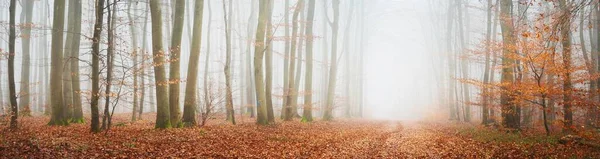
299, 79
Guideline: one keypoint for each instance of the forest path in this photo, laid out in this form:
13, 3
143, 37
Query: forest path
353, 138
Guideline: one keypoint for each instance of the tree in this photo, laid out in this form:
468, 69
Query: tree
307, 114
328, 114
291, 100
207, 93
11, 66
486, 74
95, 124
286, 59
175, 64
66, 76
24, 95
160, 79
227, 69
110, 60
259, 51
565, 30
269, 64
135, 56
509, 111
74, 63
59, 111
190, 102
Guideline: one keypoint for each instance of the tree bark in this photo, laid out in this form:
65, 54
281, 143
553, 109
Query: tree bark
509, 111
74, 64
160, 79
227, 69
175, 65
190, 102
269, 64
308, 104
95, 125
11, 65
565, 30
328, 114
24, 92
259, 51
59, 111
291, 101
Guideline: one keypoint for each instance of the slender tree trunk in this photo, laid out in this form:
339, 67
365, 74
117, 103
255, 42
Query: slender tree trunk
74, 64
301, 36
328, 115
190, 102
175, 65
291, 83
250, 96
259, 51
134, 56
227, 69
308, 104
24, 95
565, 24
143, 68
286, 59
66, 76
160, 79
11, 64
110, 63
206, 63
509, 111
269, 64
59, 111
451, 65
486, 69
95, 125
346, 50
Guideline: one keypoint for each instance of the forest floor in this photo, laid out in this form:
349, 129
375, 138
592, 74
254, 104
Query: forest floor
337, 139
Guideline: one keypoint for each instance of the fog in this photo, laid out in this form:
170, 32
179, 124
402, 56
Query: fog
393, 56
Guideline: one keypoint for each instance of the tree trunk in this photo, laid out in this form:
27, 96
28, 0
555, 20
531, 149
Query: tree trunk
160, 79
11, 64
328, 115
206, 63
291, 103
286, 59
190, 103
143, 68
269, 64
486, 69
24, 95
59, 111
134, 56
175, 65
95, 125
227, 69
509, 111
66, 76
308, 104
250, 96
110, 63
259, 51
74, 64
565, 25
301, 36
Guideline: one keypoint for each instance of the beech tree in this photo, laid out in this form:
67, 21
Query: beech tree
160, 78
191, 100
308, 103
11, 66
59, 110
174, 77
